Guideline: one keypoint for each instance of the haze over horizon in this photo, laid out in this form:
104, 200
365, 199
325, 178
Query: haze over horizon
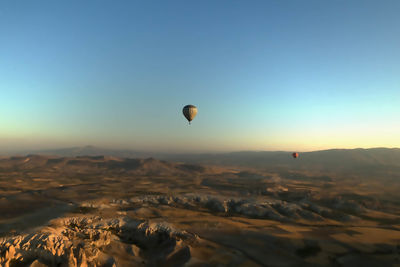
264, 75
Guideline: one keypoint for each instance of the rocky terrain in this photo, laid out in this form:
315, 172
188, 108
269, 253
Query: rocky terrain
108, 211
94, 241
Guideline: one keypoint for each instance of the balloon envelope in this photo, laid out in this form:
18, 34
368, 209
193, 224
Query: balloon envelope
295, 155
189, 111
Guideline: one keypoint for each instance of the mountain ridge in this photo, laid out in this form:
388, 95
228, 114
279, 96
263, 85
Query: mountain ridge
367, 161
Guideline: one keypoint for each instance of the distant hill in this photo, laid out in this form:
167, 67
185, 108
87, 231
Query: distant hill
100, 164
364, 161
93, 151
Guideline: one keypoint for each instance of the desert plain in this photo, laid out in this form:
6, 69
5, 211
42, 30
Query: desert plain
113, 211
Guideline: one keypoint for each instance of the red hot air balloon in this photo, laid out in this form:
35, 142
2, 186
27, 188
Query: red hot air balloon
295, 155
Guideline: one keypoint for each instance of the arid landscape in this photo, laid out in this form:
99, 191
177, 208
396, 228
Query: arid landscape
112, 211
199, 133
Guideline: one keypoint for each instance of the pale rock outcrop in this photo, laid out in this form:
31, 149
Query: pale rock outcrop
93, 241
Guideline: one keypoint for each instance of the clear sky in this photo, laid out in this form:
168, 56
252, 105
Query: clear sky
265, 75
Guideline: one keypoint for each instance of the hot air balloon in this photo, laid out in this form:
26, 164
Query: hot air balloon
189, 111
295, 155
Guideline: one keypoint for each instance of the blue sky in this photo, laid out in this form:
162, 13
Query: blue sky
265, 75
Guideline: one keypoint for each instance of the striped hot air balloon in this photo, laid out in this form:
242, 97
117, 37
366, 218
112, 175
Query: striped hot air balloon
295, 155
189, 111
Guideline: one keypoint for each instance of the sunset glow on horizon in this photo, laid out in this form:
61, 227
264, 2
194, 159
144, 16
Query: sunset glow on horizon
265, 75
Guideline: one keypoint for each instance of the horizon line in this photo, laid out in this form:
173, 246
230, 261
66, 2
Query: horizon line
27, 152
